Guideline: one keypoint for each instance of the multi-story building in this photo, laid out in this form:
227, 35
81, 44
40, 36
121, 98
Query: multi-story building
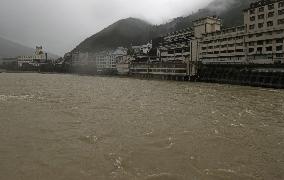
223, 46
143, 49
175, 46
107, 60
178, 52
38, 57
264, 22
258, 41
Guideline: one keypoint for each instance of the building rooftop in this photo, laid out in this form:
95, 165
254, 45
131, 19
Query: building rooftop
189, 29
207, 17
261, 3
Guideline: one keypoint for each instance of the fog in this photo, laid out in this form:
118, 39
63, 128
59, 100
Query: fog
59, 25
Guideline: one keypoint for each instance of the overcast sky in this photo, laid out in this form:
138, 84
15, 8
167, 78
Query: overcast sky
59, 25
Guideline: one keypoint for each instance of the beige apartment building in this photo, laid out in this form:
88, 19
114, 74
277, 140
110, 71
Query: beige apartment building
175, 46
258, 41
264, 21
183, 47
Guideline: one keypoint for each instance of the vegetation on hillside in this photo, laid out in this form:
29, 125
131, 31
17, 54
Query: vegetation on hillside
133, 31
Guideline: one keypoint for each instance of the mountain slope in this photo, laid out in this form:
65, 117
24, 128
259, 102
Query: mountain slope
12, 49
134, 31
122, 33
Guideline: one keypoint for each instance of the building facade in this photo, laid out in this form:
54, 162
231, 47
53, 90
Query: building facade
264, 22
175, 46
258, 41
143, 49
106, 61
38, 57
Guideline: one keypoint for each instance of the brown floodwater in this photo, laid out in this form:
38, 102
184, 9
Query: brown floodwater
69, 127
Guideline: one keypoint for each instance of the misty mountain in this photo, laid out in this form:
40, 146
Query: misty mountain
133, 31
122, 33
12, 49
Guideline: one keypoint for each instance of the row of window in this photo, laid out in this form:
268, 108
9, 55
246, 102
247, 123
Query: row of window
223, 52
281, 21
269, 7
241, 44
249, 36
223, 46
224, 40
251, 50
267, 33
261, 25
268, 49
269, 15
278, 41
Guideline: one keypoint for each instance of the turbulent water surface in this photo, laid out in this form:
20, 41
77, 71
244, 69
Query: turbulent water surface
68, 127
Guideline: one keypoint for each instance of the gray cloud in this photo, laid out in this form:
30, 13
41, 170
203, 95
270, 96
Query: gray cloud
59, 25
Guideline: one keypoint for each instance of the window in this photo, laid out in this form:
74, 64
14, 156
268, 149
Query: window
279, 40
259, 42
270, 14
279, 48
259, 50
270, 6
230, 39
269, 23
239, 50
231, 45
259, 34
280, 21
280, 12
260, 25
268, 42
261, 16
250, 35
251, 27
239, 37
261, 9
251, 50
251, 43
252, 11
269, 48
281, 4
252, 18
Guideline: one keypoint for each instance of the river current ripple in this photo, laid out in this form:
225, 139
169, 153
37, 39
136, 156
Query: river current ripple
69, 127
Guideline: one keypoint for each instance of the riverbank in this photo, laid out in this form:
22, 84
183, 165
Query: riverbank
222, 74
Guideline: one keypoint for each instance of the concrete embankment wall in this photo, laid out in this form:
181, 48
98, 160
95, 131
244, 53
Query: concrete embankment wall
255, 75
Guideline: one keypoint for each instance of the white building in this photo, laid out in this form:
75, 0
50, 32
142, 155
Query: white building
143, 49
38, 57
106, 61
